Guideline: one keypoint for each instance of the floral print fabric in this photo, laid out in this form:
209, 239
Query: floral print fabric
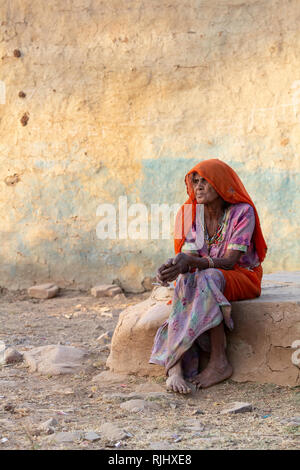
198, 302
236, 234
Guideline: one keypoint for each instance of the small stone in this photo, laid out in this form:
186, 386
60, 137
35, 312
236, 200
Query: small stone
105, 338
195, 425
49, 425
17, 53
238, 407
68, 436
22, 94
197, 434
118, 397
106, 290
92, 436
12, 356
77, 307
152, 396
137, 405
198, 412
43, 291
293, 421
173, 406
112, 432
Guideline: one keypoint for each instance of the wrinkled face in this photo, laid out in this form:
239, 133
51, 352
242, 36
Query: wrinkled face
204, 192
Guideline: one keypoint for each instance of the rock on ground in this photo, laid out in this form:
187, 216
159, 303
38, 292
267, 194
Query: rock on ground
71, 436
49, 425
238, 407
11, 356
293, 421
106, 290
92, 436
43, 291
138, 405
195, 425
112, 432
54, 359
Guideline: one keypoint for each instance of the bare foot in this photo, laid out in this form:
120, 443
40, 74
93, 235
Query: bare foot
176, 383
212, 375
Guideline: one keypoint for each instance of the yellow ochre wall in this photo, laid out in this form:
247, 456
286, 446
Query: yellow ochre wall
123, 97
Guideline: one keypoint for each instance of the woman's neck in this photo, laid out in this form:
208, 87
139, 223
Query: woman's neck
214, 210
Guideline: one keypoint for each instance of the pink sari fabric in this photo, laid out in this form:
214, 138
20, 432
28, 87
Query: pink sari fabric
199, 303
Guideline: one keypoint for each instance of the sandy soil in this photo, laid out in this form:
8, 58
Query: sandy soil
77, 403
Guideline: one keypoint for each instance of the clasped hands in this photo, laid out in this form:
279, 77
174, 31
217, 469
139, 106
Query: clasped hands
169, 271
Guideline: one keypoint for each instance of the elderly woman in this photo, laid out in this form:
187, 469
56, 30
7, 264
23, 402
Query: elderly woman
218, 261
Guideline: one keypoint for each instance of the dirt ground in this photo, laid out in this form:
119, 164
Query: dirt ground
76, 318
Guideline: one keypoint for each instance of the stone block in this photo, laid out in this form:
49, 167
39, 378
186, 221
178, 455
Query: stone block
43, 291
259, 347
106, 290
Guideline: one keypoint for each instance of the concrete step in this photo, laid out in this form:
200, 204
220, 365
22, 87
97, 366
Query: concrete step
259, 348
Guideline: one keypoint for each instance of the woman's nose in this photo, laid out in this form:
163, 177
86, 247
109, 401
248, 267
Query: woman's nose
199, 185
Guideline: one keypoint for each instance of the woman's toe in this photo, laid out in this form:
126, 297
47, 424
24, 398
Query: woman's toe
195, 379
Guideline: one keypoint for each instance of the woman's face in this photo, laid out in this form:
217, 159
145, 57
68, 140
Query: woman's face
204, 192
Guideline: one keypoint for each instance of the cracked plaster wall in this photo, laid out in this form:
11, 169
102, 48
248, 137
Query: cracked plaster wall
122, 98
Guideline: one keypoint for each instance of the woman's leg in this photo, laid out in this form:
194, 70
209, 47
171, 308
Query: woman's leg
218, 368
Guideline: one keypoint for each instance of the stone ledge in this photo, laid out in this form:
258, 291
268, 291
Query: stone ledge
259, 348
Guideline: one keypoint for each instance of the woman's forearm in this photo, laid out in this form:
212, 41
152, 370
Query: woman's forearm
203, 263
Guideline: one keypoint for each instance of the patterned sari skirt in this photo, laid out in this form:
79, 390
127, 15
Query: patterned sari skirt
199, 304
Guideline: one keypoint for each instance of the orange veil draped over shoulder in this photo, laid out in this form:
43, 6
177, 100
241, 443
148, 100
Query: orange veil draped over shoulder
241, 283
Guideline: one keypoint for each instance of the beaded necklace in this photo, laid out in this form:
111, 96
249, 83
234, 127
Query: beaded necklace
216, 238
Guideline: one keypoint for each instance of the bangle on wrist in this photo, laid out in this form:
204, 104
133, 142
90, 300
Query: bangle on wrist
210, 262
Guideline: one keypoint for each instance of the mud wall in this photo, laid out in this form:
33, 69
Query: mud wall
121, 99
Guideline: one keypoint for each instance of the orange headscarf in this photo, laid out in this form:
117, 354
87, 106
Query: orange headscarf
229, 186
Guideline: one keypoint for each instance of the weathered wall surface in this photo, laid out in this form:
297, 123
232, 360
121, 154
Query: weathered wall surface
123, 97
